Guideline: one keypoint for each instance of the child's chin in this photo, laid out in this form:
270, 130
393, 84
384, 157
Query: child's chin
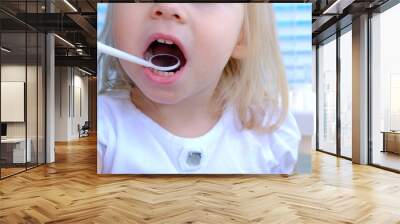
165, 98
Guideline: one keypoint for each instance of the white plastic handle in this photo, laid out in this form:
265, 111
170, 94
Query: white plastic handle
132, 58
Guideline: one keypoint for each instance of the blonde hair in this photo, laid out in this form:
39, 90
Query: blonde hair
256, 86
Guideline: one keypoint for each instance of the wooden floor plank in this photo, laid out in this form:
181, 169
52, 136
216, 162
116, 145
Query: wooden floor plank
70, 191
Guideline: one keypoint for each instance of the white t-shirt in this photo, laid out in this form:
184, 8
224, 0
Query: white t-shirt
129, 142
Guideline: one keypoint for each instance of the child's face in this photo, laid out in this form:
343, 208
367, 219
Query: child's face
207, 35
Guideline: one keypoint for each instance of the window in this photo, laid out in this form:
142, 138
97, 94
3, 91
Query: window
22, 76
385, 89
346, 93
327, 96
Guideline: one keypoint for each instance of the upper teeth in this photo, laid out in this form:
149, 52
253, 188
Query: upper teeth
165, 41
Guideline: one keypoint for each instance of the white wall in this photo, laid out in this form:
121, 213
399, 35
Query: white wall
17, 73
71, 94
14, 73
61, 103
33, 127
80, 110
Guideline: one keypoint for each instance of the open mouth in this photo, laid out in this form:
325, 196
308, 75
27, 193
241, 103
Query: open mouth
163, 46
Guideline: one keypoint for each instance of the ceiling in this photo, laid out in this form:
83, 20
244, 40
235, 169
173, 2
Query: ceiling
331, 15
76, 25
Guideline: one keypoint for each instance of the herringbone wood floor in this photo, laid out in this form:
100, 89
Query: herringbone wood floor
70, 191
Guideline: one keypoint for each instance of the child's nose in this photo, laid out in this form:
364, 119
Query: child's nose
168, 11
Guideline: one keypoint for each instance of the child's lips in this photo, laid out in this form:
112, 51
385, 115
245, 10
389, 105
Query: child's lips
155, 76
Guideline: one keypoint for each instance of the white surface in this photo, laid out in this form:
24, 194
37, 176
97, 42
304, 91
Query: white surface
305, 122
12, 140
12, 101
50, 98
19, 149
69, 100
130, 142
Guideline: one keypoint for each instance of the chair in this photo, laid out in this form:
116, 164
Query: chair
84, 130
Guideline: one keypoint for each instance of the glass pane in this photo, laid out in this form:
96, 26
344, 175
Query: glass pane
346, 94
23, 88
41, 98
32, 86
386, 89
327, 97
41, 89
31, 98
13, 87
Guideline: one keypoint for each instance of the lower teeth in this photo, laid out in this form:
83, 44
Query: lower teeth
163, 73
